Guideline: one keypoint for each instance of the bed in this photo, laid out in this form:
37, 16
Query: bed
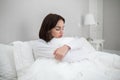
20, 66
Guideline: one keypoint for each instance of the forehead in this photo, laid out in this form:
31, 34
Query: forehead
60, 22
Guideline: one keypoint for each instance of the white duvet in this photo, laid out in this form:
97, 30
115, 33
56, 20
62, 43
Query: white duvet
83, 63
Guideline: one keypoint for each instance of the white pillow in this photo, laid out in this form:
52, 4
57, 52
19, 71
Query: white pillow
23, 56
7, 66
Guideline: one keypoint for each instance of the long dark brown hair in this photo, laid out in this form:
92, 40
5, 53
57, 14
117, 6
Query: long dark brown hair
48, 23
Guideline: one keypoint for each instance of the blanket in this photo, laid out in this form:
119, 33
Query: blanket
97, 66
50, 69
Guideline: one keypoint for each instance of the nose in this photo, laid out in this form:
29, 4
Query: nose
62, 31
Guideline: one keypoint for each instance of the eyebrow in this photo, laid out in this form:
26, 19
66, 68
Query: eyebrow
59, 26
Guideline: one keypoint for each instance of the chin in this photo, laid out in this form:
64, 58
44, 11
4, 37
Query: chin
60, 36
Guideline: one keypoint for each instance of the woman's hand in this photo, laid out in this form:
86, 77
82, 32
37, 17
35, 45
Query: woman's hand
61, 52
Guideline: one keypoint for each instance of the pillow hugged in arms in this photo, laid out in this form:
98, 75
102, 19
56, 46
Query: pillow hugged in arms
73, 43
58, 42
80, 48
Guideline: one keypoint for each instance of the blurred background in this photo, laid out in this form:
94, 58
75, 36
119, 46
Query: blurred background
21, 19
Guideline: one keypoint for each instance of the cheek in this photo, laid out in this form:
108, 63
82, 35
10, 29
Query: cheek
55, 33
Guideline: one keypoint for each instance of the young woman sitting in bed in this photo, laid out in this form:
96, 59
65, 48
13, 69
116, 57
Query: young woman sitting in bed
68, 58
52, 44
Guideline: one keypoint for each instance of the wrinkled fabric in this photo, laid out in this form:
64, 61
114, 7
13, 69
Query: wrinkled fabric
82, 62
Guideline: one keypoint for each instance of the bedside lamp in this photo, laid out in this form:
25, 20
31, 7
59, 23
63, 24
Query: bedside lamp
89, 21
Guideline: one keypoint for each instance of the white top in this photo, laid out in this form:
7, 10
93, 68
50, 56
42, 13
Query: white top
80, 48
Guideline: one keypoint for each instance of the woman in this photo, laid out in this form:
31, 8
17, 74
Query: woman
55, 45
66, 58
53, 27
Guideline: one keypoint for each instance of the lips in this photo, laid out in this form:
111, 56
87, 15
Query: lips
60, 35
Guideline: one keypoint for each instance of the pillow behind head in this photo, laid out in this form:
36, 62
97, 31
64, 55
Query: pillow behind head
7, 66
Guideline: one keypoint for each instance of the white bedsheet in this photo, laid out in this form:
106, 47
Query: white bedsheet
103, 67
95, 66
50, 69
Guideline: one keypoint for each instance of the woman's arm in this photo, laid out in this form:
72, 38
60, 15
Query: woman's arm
61, 52
77, 43
41, 49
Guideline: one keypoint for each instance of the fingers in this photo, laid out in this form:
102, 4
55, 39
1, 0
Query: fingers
61, 52
59, 56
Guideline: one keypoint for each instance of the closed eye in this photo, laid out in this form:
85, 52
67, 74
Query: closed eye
59, 28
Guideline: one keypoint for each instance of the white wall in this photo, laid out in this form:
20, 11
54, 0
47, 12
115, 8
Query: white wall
111, 13
100, 19
96, 8
21, 19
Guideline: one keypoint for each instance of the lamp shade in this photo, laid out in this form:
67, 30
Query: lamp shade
89, 19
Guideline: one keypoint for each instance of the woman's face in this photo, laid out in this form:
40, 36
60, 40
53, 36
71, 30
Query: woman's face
57, 31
